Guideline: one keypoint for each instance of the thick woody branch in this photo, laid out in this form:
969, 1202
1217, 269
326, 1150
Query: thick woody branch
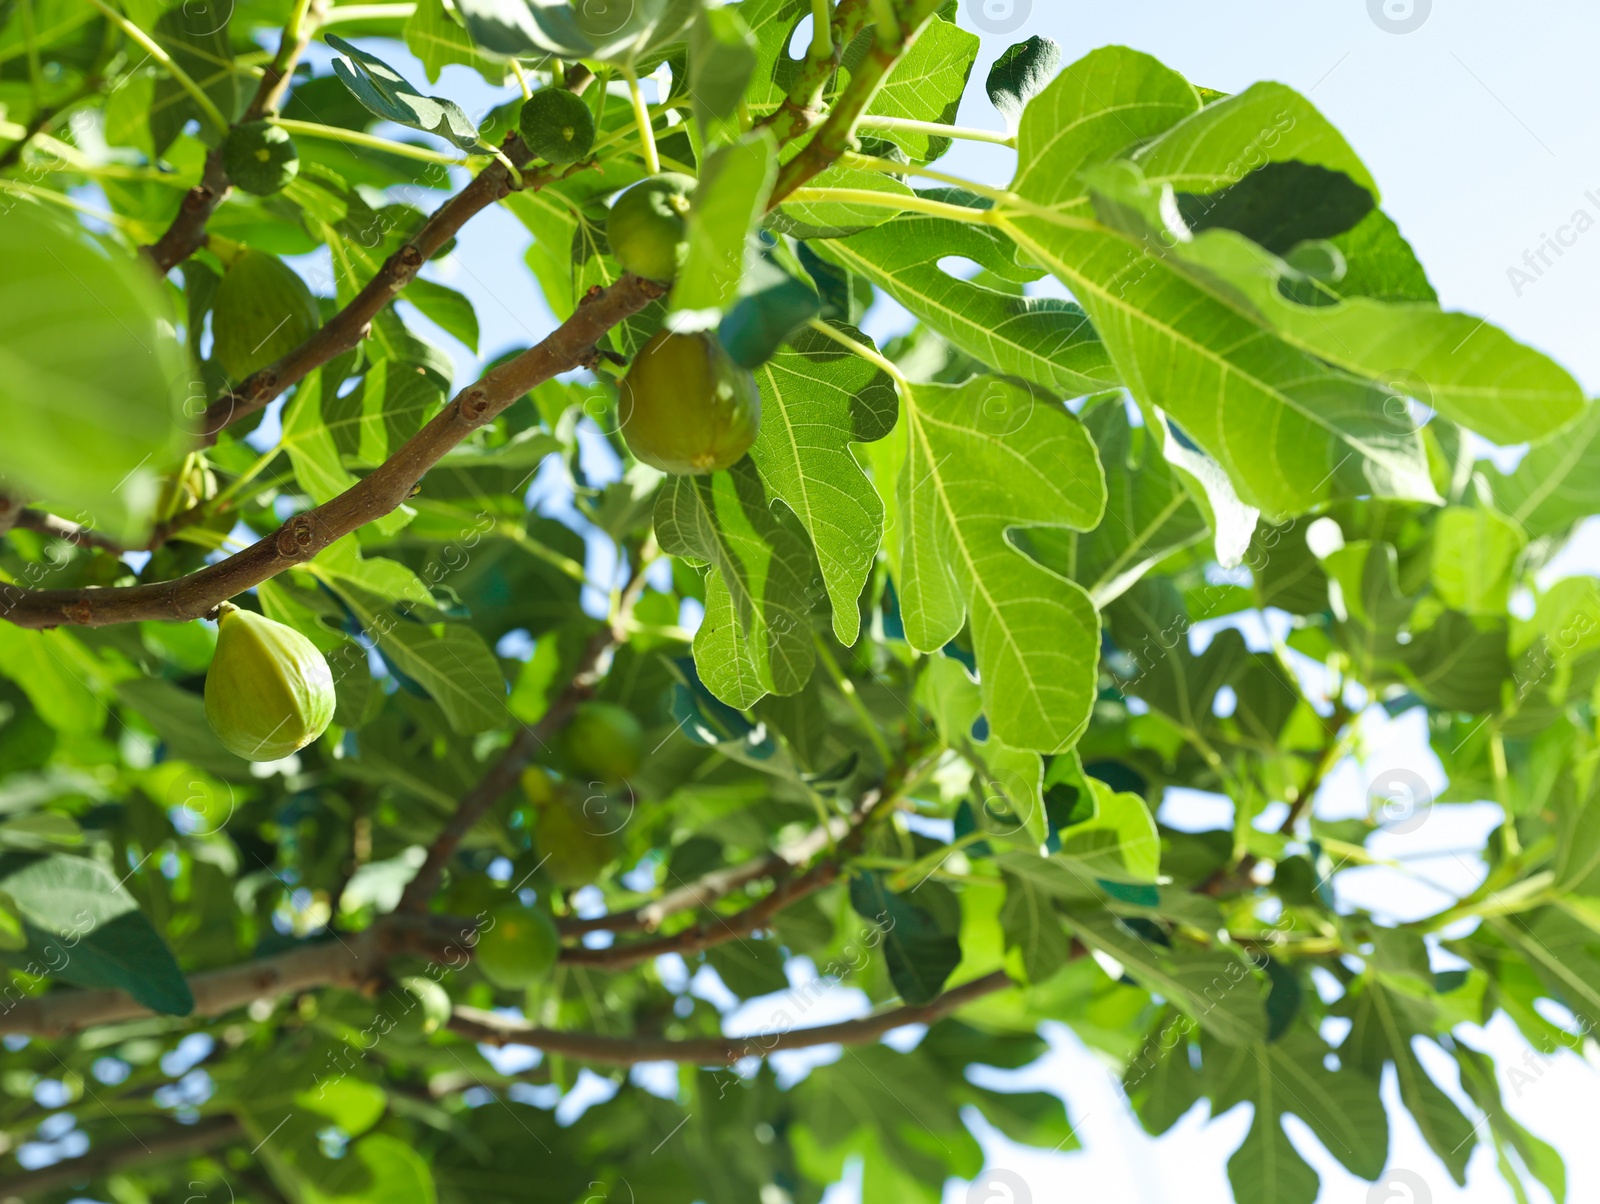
492, 1028
187, 232
177, 1141
351, 961
357, 961
382, 491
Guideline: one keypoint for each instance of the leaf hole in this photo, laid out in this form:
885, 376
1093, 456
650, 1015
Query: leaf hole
959, 266
800, 39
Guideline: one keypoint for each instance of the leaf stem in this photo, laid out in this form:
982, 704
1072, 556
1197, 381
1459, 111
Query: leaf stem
641, 117
522, 79
153, 48
848, 688
492, 149
347, 13
57, 198
906, 125
897, 201
313, 129
871, 355
821, 52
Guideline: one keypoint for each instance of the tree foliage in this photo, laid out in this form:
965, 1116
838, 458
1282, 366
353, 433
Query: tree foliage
974, 602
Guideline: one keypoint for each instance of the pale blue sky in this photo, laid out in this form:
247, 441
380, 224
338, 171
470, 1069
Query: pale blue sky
1482, 129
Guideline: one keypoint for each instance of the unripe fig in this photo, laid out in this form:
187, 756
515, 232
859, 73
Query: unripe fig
686, 407
260, 157
577, 840
648, 226
262, 311
268, 691
604, 740
557, 125
517, 946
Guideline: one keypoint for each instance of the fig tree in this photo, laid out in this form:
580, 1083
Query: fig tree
260, 157
517, 946
604, 740
686, 407
557, 125
648, 226
268, 691
262, 311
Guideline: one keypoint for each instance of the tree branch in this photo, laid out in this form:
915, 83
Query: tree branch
802, 107
837, 134
846, 836
492, 1028
385, 488
11, 512
502, 776
352, 961
188, 229
187, 233
355, 961
51, 525
177, 1141
302, 26
707, 934
346, 329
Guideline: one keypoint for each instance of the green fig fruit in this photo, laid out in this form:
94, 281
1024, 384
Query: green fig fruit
260, 157
557, 125
577, 839
517, 946
268, 691
262, 311
686, 407
648, 226
604, 740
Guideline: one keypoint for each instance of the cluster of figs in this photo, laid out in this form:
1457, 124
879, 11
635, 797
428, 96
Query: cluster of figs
686, 408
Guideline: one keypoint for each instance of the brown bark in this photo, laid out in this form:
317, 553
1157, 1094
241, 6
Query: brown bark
492, 1028
303, 536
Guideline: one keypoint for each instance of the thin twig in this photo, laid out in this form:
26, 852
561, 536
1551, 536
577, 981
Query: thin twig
346, 329
494, 1028
529, 739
